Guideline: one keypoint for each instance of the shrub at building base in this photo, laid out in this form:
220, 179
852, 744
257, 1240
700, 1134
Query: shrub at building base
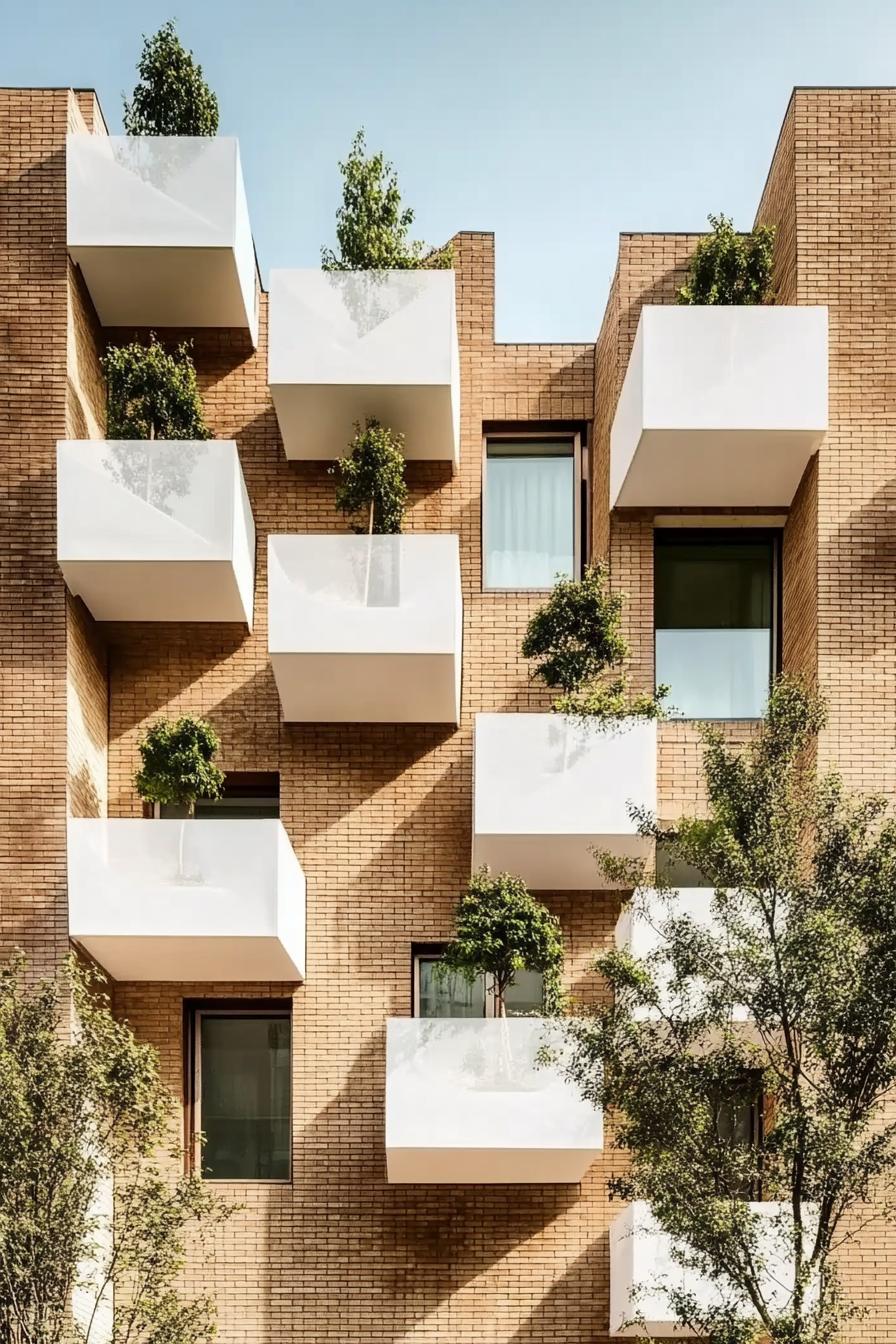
79, 1106
801, 942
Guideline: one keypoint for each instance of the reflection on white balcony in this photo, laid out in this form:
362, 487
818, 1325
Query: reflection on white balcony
156, 531
187, 900
468, 1102
547, 791
348, 346
644, 1271
160, 229
721, 406
642, 930
366, 629
715, 674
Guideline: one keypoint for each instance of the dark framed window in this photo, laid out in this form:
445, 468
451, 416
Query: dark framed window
531, 509
716, 619
740, 1124
239, 1089
456, 997
245, 794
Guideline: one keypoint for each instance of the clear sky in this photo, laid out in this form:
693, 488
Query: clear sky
554, 123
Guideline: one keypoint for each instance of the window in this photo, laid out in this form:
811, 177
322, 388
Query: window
715, 613
245, 795
455, 997
239, 1062
740, 1124
531, 510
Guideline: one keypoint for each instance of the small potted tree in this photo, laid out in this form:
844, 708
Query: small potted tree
172, 97
576, 640
178, 767
372, 493
500, 929
729, 267
152, 398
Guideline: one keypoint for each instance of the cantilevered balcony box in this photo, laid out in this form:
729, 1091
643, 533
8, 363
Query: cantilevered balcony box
546, 791
366, 629
187, 900
643, 1271
160, 229
721, 406
468, 1102
345, 346
640, 931
156, 531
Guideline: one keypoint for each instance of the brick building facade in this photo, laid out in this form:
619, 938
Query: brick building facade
379, 814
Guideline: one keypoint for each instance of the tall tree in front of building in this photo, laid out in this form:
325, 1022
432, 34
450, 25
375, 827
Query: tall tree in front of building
83, 1107
789, 973
372, 222
172, 97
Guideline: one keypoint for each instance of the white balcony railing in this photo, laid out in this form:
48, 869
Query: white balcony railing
187, 900
721, 406
547, 791
366, 629
468, 1102
160, 228
156, 531
644, 1271
347, 346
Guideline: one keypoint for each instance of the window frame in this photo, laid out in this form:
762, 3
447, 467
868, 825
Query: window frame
580, 509
719, 535
193, 1012
432, 952
245, 785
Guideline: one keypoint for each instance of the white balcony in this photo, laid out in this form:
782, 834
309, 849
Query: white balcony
160, 228
546, 791
640, 929
366, 629
187, 900
643, 1271
468, 1103
348, 346
156, 531
721, 406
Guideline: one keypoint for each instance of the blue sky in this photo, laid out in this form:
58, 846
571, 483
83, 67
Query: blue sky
557, 125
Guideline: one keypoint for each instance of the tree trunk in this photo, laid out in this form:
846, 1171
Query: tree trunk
152, 436
369, 555
191, 810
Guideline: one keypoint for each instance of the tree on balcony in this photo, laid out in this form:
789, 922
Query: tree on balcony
576, 642
172, 97
152, 395
500, 929
371, 490
178, 767
792, 974
372, 224
79, 1109
729, 267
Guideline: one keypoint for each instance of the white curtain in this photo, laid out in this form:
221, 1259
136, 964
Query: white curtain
529, 521
714, 674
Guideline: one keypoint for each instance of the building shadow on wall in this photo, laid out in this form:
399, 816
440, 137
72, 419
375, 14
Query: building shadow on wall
403, 1249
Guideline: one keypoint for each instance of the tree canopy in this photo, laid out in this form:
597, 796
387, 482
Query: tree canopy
786, 984
728, 267
178, 764
151, 393
172, 97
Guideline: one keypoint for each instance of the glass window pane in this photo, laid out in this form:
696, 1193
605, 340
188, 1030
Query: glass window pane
245, 1097
526, 994
675, 871
713, 614
529, 514
452, 997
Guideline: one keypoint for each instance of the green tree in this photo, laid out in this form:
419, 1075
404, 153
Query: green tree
178, 766
151, 394
500, 929
370, 487
801, 937
172, 98
372, 225
77, 1108
575, 638
730, 267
